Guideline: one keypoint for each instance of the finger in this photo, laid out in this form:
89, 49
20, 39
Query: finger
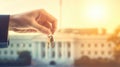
54, 26
45, 23
19, 30
47, 15
51, 19
48, 25
24, 30
41, 28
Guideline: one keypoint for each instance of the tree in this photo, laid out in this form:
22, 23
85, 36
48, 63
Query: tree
83, 61
24, 58
115, 38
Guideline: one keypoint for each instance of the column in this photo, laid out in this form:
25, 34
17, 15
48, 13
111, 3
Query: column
65, 50
46, 51
56, 50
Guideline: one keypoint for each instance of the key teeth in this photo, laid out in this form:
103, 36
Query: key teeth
51, 41
53, 45
48, 46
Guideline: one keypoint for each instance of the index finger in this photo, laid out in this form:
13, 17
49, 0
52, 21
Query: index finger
50, 19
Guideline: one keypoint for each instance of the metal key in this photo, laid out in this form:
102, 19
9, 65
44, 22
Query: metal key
51, 41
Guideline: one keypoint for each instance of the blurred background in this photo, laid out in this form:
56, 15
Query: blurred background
71, 13
88, 35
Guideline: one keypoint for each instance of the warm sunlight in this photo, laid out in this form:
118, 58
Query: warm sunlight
96, 13
80, 14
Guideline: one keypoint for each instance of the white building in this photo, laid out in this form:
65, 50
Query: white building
68, 47
91, 42
94, 46
37, 44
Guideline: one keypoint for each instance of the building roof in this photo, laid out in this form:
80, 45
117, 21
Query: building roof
83, 31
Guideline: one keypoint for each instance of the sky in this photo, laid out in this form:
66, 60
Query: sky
74, 13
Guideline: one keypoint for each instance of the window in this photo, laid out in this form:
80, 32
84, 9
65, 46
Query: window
69, 54
102, 52
89, 45
59, 54
11, 52
109, 52
5, 52
43, 54
11, 45
43, 44
68, 44
82, 45
53, 54
96, 52
89, 52
59, 44
23, 45
82, 52
18, 45
30, 45
109, 45
96, 45
102, 45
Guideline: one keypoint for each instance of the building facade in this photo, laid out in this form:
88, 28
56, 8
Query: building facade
94, 46
37, 45
68, 47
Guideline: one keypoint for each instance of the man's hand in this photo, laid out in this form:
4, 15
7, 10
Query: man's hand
36, 20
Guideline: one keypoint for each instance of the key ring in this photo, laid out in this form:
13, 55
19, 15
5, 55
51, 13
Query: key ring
51, 41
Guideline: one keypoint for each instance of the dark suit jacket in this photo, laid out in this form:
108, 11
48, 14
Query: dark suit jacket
4, 25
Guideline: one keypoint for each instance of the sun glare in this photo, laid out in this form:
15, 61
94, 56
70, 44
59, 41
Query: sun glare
96, 13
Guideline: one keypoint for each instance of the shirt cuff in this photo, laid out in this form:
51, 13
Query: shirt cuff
4, 25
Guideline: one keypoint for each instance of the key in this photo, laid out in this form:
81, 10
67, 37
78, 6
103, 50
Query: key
51, 41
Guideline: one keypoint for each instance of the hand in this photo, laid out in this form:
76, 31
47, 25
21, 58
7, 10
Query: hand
38, 20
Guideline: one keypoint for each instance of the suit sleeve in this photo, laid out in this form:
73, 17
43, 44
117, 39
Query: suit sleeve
4, 25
